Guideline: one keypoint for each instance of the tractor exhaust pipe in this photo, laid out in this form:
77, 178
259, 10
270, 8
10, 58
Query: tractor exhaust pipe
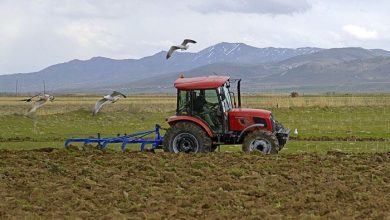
239, 92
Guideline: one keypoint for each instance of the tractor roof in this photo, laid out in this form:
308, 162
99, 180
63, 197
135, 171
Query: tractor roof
203, 82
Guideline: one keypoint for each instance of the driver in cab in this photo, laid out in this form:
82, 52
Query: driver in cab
203, 108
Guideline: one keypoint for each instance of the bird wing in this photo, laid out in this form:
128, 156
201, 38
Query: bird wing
29, 99
99, 104
171, 50
36, 105
115, 93
186, 41
26, 100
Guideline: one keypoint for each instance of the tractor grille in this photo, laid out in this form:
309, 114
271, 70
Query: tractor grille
273, 122
258, 120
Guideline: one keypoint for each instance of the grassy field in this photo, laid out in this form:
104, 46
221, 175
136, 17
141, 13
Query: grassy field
348, 123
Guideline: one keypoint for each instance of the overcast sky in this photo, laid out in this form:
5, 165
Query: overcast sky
37, 33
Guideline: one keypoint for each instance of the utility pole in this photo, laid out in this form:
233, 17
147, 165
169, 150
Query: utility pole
16, 87
44, 87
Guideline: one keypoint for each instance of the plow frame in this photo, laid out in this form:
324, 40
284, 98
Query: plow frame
135, 138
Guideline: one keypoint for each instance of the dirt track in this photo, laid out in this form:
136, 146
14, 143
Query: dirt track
88, 184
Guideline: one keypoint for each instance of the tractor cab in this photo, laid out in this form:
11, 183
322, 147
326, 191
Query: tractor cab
211, 105
206, 105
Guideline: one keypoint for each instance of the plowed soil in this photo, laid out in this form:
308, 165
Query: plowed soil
52, 183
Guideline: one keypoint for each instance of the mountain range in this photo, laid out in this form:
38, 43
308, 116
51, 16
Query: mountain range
306, 69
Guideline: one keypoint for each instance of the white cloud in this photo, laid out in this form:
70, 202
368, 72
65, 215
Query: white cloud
360, 32
252, 6
87, 35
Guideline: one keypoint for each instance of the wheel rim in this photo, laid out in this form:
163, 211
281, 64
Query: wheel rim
262, 145
185, 142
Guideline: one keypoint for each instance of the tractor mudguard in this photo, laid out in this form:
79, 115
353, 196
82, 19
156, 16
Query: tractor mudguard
248, 129
174, 119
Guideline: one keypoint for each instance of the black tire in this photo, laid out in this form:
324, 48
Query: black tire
186, 137
262, 141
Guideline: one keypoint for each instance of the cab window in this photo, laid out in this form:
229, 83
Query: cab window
183, 102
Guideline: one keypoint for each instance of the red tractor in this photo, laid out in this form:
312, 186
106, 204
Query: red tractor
207, 116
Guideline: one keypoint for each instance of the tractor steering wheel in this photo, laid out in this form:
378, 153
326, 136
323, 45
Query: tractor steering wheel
211, 107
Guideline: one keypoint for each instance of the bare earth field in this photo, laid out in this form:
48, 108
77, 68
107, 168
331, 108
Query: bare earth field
56, 183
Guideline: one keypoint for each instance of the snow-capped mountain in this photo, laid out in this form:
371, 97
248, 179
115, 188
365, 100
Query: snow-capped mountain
245, 54
284, 67
101, 71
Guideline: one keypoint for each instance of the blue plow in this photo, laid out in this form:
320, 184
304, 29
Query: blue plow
136, 138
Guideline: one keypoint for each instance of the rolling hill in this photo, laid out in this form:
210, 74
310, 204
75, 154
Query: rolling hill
262, 69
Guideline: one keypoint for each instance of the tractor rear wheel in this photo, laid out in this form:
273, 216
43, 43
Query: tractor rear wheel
186, 137
263, 141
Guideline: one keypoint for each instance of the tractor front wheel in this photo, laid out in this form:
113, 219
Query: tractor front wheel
186, 137
262, 141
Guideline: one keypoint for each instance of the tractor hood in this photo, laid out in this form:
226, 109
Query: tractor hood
241, 118
249, 112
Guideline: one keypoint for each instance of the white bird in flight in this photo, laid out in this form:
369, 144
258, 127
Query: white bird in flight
182, 46
112, 98
42, 100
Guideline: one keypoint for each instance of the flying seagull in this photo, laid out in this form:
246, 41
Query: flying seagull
182, 46
39, 102
112, 98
